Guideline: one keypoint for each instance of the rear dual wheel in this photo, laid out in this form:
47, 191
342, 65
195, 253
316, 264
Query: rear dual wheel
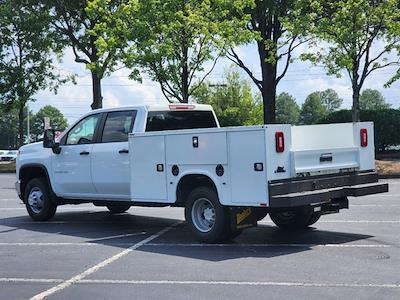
296, 219
207, 218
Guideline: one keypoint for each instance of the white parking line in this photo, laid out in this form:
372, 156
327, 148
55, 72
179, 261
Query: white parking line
207, 245
252, 283
347, 221
204, 282
83, 209
374, 205
100, 265
33, 280
269, 245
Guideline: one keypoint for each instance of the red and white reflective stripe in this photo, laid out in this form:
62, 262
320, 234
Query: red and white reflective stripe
279, 142
180, 106
364, 137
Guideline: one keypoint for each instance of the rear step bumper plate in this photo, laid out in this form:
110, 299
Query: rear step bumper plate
322, 189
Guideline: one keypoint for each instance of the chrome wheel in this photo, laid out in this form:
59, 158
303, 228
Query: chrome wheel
36, 200
203, 215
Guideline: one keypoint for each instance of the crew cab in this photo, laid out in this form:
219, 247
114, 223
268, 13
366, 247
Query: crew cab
227, 179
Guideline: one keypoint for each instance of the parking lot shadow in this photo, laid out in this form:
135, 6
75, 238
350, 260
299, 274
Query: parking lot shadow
125, 230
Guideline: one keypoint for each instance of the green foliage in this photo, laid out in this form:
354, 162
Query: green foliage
312, 109
57, 121
350, 29
8, 129
172, 40
330, 99
287, 110
9, 123
372, 100
278, 28
233, 102
386, 125
83, 26
26, 49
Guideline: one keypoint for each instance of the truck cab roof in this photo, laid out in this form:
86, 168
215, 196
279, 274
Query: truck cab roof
158, 107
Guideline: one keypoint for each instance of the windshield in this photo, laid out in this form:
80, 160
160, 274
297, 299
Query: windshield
174, 120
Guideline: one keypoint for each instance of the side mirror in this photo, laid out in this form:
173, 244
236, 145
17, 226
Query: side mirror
49, 141
49, 138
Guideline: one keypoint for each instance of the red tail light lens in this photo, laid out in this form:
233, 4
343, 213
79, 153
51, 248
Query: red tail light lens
180, 106
364, 137
279, 142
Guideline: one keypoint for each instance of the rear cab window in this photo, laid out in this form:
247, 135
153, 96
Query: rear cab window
117, 126
175, 120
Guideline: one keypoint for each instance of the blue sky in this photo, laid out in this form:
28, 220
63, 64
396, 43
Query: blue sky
302, 79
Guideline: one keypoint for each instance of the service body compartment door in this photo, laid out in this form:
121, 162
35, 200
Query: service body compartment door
248, 184
148, 170
208, 148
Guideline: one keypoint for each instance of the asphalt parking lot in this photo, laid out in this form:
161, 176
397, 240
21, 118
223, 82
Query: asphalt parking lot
148, 253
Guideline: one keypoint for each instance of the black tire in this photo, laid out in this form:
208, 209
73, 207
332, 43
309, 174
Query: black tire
293, 220
38, 201
209, 233
118, 208
261, 214
314, 218
235, 234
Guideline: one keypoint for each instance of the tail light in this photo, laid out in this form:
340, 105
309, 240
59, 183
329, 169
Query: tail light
180, 106
364, 137
279, 142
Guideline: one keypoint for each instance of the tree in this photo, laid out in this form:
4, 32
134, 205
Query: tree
330, 99
312, 109
8, 128
26, 48
278, 29
57, 120
83, 28
287, 110
172, 40
232, 101
372, 100
351, 29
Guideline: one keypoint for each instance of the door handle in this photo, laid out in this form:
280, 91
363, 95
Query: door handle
123, 151
84, 153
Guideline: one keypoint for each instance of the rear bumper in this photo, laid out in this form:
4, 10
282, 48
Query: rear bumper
322, 189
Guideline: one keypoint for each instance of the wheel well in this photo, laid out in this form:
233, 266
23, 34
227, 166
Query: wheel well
30, 172
188, 183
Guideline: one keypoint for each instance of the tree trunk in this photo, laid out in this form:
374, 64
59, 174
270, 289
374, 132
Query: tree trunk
268, 81
269, 95
356, 105
97, 97
185, 74
21, 125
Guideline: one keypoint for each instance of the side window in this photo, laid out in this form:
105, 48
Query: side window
83, 132
118, 125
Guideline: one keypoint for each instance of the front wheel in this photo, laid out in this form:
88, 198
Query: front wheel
206, 217
294, 220
38, 201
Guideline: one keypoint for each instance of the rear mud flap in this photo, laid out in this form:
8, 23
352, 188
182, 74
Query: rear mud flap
242, 217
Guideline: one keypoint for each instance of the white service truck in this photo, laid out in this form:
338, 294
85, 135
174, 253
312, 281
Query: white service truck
176, 155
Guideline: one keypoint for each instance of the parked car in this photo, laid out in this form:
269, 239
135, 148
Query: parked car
176, 155
8, 155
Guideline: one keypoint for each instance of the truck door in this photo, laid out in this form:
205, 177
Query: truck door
148, 169
71, 168
110, 159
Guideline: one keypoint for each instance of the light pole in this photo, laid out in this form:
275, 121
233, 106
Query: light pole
27, 124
